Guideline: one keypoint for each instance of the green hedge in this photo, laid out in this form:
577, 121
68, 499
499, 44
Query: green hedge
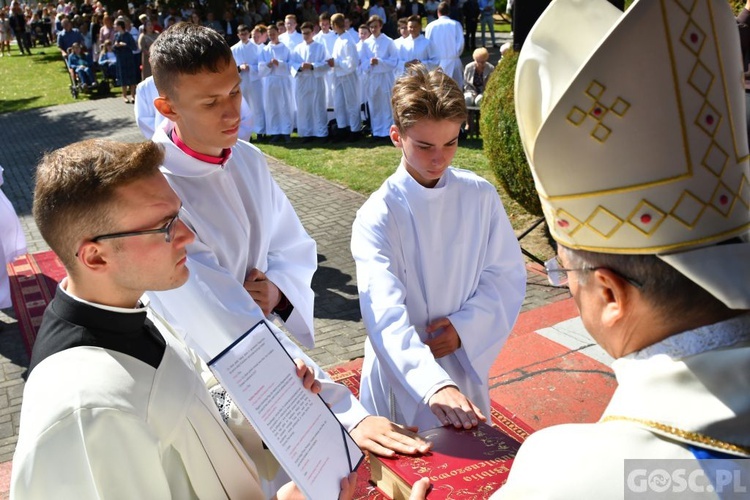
502, 143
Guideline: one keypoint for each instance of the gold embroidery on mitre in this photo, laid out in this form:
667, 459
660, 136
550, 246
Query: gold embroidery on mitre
701, 78
743, 193
688, 209
693, 37
715, 159
723, 199
680, 201
565, 222
708, 119
646, 217
598, 111
604, 222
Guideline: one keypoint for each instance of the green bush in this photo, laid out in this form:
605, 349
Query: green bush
502, 143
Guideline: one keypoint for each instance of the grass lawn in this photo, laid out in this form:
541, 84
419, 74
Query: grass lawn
363, 167
35, 81
41, 80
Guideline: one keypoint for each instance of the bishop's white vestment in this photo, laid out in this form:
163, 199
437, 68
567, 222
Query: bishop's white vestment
691, 385
424, 254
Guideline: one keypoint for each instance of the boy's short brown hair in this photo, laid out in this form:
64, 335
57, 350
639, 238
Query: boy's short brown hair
422, 94
186, 49
73, 198
338, 20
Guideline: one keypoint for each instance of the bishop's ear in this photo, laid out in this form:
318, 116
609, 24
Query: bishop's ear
615, 294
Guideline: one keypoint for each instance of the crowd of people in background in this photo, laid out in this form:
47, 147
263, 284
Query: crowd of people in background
288, 42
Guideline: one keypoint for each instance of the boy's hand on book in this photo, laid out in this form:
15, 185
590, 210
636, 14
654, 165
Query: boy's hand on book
446, 342
308, 376
262, 290
381, 436
451, 407
419, 489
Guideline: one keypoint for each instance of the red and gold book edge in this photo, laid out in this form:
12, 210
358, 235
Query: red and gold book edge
462, 464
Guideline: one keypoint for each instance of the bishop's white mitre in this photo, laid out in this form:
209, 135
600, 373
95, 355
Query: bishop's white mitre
635, 128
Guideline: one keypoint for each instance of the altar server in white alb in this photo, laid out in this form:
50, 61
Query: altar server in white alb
12, 243
447, 39
278, 94
401, 48
644, 185
440, 273
309, 66
379, 59
420, 49
346, 96
245, 54
327, 37
251, 258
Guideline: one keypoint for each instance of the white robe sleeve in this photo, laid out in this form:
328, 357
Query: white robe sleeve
215, 310
382, 297
485, 320
74, 460
292, 261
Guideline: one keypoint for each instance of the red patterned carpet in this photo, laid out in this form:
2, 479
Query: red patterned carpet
348, 374
33, 281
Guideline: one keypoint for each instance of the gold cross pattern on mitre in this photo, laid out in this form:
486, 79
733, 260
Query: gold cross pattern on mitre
634, 124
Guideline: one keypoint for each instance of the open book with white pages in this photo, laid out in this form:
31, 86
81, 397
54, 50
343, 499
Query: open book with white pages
297, 426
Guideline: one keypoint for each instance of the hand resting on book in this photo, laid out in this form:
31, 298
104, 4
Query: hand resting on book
451, 407
381, 436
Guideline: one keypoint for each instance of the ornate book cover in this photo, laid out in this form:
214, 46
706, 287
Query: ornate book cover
463, 464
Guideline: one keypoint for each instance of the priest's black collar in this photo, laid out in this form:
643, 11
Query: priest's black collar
70, 323
97, 318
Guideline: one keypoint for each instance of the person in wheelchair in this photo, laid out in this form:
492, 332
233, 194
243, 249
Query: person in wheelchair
78, 63
107, 61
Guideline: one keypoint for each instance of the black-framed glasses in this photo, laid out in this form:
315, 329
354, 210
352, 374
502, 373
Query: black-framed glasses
168, 230
558, 275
